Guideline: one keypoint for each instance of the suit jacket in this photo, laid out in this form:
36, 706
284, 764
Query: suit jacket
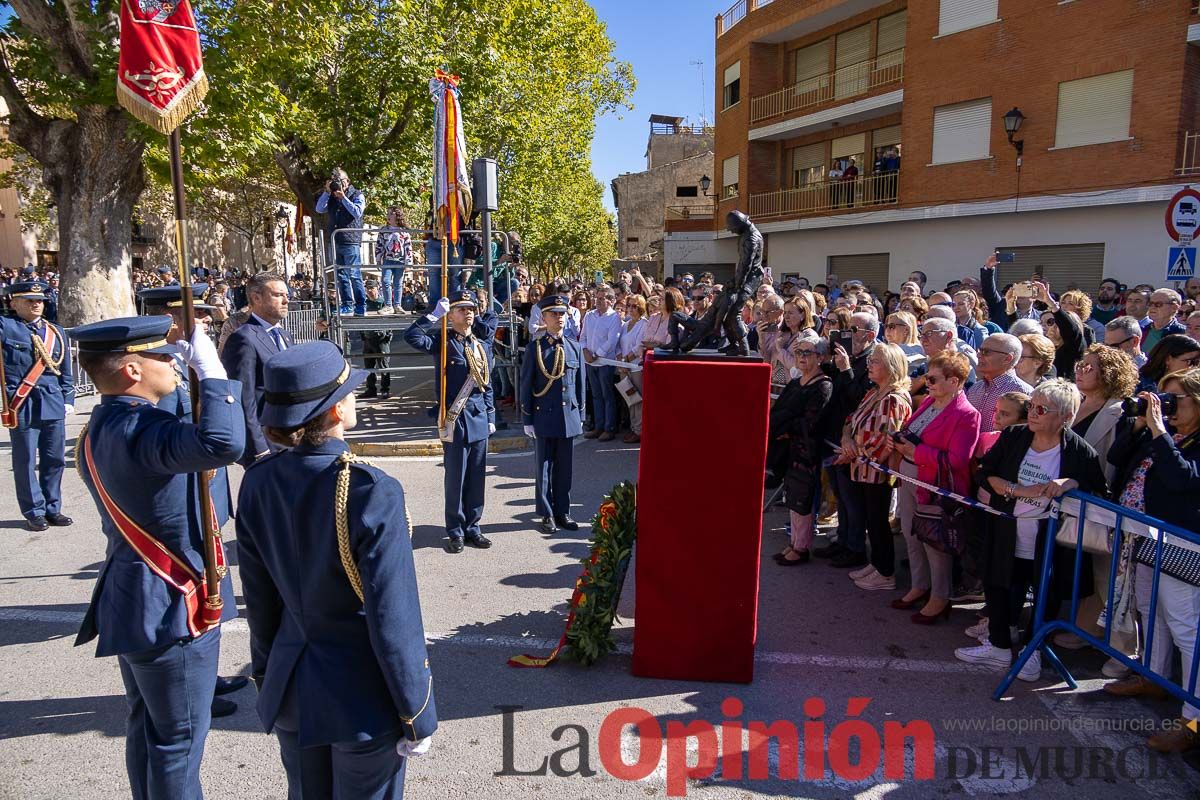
245, 352
360, 666
955, 430
559, 412
145, 458
52, 393
426, 335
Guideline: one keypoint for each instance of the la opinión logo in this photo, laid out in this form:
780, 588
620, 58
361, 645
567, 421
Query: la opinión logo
853, 749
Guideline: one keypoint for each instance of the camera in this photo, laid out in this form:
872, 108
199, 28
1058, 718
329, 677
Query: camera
335, 185
1136, 406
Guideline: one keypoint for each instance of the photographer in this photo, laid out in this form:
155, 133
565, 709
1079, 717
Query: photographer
343, 205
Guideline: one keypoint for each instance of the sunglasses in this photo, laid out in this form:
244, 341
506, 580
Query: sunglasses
933, 380
1161, 303
806, 354
1041, 410
1085, 368
992, 352
1049, 322
894, 325
927, 334
1126, 340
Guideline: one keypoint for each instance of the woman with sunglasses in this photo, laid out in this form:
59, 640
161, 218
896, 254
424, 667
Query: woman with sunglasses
900, 329
1064, 329
1029, 466
1174, 353
1158, 472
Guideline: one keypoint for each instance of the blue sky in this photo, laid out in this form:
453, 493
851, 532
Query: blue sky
660, 38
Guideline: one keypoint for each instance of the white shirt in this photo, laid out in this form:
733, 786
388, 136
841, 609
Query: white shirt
601, 333
1035, 468
570, 328
630, 341
280, 339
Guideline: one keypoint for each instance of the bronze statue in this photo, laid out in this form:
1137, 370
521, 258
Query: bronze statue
725, 315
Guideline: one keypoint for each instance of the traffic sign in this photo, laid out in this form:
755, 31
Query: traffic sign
1181, 263
1183, 215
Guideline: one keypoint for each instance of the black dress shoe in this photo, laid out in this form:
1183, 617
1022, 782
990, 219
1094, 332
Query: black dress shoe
369, 393
829, 551
547, 525
567, 524
227, 685
61, 520
37, 524
849, 559
480, 542
222, 707
454, 546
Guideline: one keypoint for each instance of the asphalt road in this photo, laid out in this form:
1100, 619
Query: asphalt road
62, 710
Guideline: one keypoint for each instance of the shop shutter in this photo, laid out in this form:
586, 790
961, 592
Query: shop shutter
1065, 266
1095, 109
870, 268
962, 131
808, 164
891, 33
957, 15
885, 137
853, 53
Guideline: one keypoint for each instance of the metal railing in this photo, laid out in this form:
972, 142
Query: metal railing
836, 195
732, 16
690, 212
1189, 159
841, 84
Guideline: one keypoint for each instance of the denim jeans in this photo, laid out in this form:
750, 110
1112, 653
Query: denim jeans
393, 284
852, 522
433, 259
602, 382
349, 281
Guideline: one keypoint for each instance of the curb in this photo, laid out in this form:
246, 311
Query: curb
432, 447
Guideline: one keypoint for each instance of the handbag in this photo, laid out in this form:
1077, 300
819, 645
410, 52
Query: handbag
943, 524
1097, 536
1181, 563
628, 391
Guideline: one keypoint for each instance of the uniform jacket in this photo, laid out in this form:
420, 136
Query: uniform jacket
362, 664
245, 352
559, 412
54, 392
426, 335
146, 458
179, 404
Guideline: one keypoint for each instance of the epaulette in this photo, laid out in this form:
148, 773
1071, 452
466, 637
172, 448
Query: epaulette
265, 459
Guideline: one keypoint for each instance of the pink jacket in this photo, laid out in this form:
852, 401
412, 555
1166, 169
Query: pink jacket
955, 430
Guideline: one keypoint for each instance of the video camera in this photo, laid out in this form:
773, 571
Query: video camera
1136, 406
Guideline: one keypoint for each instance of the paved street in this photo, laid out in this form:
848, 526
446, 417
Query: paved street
61, 710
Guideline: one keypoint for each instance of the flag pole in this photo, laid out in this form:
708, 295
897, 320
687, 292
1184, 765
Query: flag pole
213, 603
446, 294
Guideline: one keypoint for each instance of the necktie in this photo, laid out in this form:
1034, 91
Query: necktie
277, 333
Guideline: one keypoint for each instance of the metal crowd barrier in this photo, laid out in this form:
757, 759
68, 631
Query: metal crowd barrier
83, 384
1123, 522
302, 322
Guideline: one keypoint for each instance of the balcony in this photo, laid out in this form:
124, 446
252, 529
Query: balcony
698, 211
843, 84
737, 12
1189, 159
840, 195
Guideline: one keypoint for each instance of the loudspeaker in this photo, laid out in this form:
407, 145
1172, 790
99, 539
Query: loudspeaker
483, 179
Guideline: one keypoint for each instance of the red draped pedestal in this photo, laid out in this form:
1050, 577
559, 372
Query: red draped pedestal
699, 517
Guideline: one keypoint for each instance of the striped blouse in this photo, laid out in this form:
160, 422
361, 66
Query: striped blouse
872, 424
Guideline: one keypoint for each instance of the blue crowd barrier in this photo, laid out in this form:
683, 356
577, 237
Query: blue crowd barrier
1123, 522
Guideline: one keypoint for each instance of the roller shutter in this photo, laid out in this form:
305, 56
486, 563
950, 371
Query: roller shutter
851, 62
870, 268
1094, 110
962, 132
891, 33
885, 137
957, 15
1065, 266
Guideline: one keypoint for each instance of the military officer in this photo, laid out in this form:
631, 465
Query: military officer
147, 609
39, 392
552, 404
167, 300
336, 642
470, 413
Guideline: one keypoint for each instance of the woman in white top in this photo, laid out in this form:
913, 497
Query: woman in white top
630, 348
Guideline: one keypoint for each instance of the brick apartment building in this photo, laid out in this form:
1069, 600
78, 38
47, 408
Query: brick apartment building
868, 138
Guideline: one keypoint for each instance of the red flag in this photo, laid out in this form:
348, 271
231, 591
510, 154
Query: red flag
160, 76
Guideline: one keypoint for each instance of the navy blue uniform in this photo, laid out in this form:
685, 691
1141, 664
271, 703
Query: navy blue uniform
556, 418
146, 459
38, 440
341, 680
245, 352
466, 456
179, 403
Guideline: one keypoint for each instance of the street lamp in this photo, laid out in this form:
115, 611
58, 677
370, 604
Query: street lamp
281, 220
1012, 124
705, 184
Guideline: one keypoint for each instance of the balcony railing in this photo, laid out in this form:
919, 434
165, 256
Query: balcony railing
1189, 160
842, 84
699, 211
837, 195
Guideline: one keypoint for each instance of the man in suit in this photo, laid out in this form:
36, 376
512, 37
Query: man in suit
336, 643
248, 348
39, 392
552, 404
470, 414
151, 604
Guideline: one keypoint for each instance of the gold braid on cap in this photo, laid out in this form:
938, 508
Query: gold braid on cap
341, 516
559, 369
39, 348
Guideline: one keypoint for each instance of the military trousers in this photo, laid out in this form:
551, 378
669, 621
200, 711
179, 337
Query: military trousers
38, 460
169, 692
466, 464
555, 456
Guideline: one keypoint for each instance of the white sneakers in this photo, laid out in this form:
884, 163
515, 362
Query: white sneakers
986, 655
979, 630
860, 573
387, 310
1032, 670
876, 582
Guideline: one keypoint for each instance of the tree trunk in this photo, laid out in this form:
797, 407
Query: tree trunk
96, 176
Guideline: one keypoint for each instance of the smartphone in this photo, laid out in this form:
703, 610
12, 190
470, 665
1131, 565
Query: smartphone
906, 436
1023, 289
844, 338
1005, 257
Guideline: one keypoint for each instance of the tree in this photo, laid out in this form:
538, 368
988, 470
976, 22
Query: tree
58, 77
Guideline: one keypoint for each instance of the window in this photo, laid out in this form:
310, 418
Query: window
852, 61
729, 177
631, 239
962, 132
958, 15
890, 37
1094, 110
733, 85
686, 191
811, 63
808, 165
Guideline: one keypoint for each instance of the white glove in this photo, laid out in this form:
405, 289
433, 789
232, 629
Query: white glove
408, 748
491, 428
441, 309
530, 432
70, 410
200, 354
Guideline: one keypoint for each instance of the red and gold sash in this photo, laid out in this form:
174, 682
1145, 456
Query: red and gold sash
8, 417
176, 572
